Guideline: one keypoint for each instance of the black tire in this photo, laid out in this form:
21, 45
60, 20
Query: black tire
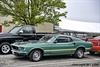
79, 53
5, 48
91, 52
36, 55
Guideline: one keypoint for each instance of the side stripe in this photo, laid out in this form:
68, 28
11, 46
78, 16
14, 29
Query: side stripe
64, 49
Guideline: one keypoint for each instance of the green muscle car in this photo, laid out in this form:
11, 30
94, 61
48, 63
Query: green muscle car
48, 45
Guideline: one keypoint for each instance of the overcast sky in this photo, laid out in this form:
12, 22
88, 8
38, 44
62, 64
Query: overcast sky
83, 10
83, 16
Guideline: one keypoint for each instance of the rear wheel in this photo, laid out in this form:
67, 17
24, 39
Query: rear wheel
35, 55
92, 53
5, 48
79, 53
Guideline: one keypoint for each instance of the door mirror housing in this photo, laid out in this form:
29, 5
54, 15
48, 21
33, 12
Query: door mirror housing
20, 32
55, 41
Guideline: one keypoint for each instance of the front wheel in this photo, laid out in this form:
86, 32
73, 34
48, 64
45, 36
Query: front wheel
5, 48
79, 53
35, 55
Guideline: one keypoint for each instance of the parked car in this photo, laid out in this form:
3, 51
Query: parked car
87, 38
95, 45
51, 45
18, 33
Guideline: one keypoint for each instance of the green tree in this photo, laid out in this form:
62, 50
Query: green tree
32, 12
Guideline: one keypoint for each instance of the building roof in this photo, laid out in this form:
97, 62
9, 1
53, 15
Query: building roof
78, 26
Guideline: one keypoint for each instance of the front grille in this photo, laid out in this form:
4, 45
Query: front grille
15, 47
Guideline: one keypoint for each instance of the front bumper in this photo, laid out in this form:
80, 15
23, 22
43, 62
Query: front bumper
96, 48
19, 53
88, 49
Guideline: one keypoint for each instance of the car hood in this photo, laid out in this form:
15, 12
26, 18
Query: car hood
5, 34
27, 44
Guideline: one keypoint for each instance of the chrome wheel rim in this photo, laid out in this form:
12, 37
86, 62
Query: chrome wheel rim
5, 49
80, 53
36, 55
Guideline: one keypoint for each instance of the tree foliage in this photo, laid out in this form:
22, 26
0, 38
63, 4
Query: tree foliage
32, 12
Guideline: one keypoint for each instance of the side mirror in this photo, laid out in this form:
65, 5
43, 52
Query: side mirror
20, 32
55, 41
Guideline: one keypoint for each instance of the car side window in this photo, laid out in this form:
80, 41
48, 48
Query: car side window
63, 39
28, 30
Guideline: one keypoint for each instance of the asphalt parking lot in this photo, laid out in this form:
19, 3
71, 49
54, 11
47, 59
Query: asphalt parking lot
54, 61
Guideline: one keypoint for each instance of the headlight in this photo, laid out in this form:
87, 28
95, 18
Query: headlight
22, 48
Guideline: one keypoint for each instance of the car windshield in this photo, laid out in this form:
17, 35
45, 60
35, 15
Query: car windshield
98, 37
45, 38
15, 30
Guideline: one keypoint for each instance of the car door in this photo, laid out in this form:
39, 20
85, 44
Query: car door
27, 33
62, 45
